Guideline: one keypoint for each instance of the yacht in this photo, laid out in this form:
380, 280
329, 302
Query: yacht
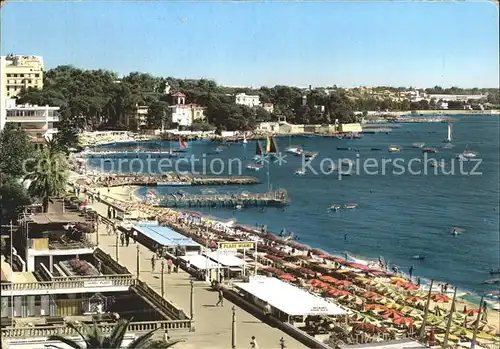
418, 145
335, 207
254, 167
350, 205
448, 139
430, 150
467, 154
300, 172
394, 148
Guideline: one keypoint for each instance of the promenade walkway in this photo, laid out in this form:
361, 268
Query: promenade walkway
213, 324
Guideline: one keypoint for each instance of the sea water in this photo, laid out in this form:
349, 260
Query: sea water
399, 216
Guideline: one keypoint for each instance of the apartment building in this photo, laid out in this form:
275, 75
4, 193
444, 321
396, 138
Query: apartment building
248, 100
22, 71
37, 121
185, 114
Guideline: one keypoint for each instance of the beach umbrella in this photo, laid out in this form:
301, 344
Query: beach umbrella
471, 312
439, 297
391, 314
403, 321
412, 286
413, 299
327, 278
368, 328
375, 306
343, 282
372, 295
287, 277
397, 278
399, 283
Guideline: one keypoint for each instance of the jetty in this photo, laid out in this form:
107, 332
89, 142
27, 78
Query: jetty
167, 179
277, 198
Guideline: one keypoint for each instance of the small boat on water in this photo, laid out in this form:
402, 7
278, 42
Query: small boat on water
343, 148
419, 145
335, 207
350, 206
219, 149
245, 139
254, 167
376, 149
394, 148
300, 172
467, 154
441, 163
494, 272
310, 155
294, 150
448, 146
238, 207
418, 257
259, 153
493, 281
430, 150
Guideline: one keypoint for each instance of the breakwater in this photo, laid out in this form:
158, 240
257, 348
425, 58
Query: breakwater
169, 179
278, 198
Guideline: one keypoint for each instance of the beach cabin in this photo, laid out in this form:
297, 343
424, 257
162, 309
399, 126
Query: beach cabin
228, 264
168, 240
287, 302
200, 265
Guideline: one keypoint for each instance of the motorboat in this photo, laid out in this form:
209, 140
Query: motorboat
419, 145
310, 155
394, 148
238, 207
441, 163
492, 281
335, 207
294, 150
254, 167
467, 154
448, 146
494, 272
300, 172
219, 149
430, 150
418, 257
349, 206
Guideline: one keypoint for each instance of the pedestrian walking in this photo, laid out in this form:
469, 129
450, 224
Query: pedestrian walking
153, 263
122, 239
169, 266
253, 343
127, 239
221, 298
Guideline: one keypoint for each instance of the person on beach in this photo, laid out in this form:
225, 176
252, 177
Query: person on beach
221, 298
127, 239
410, 272
169, 266
153, 262
253, 343
122, 239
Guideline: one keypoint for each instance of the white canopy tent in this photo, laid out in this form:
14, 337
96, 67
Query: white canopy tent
226, 259
199, 262
287, 298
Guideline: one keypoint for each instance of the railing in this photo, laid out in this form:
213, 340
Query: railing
63, 330
93, 281
110, 262
147, 292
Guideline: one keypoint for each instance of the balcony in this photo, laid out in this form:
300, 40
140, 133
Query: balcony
91, 284
33, 118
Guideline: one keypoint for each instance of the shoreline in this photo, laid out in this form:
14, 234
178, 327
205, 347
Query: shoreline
124, 192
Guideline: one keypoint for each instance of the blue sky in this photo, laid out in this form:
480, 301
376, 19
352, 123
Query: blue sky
268, 43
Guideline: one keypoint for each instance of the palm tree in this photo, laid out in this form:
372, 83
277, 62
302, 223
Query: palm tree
49, 173
94, 338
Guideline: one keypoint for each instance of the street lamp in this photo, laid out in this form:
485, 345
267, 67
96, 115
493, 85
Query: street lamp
137, 261
233, 328
116, 247
162, 271
191, 306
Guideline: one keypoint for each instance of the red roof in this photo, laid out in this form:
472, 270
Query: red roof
179, 94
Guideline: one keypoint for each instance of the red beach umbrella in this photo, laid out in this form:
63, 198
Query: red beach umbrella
287, 277
392, 314
328, 278
439, 297
471, 312
403, 321
372, 295
411, 286
413, 299
375, 306
343, 282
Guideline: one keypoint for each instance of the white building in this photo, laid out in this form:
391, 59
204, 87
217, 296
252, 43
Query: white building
442, 104
185, 114
142, 115
36, 120
269, 107
248, 100
459, 98
22, 71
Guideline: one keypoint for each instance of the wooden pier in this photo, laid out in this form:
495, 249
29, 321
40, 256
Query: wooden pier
278, 198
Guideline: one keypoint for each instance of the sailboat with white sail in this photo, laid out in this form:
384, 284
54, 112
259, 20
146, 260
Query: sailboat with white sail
449, 138
293, 149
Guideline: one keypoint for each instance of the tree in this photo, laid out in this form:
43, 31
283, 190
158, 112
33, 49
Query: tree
156, 117
94, 338
13, 198
48, 174
16, 149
